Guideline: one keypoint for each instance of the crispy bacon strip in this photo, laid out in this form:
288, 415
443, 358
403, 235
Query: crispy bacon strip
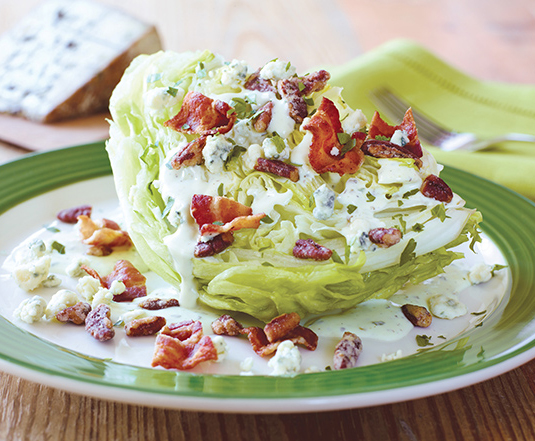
191, 154
132, 279
103, 236
278, 168
308, 249
238, 223
183, 346
325, 153
386, 149
202, 115
255, 82
378, 127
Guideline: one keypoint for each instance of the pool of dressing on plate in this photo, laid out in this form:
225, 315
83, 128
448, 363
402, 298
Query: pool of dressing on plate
385, 332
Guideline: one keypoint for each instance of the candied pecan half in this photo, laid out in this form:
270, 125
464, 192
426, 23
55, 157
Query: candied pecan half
347, 351
70, 215
385, 237
417, 315
386, 149
281, 325
144, 326
226, 325
75, 314
98, 323
190, 154
278, 168
202, 115
214, 246
308, 249
256, 82
154, 304
434, 187
261, 122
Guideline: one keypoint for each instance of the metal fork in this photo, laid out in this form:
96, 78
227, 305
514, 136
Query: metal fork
433, 133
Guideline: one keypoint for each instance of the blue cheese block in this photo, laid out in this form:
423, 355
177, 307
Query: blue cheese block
65, 58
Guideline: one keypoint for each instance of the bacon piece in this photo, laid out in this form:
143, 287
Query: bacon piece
261, 122
156, 304
281, 325
259, 341
103, 236
70, 215
191, 154
133, 280
434, 187
385, 237
278, 168
183, 346
213, 246
295, 88
202, 115
304, 337
347, 351
256, 82
94, 274
238, 223
386, 149
308, 249
226, 325
325, 153
378, 127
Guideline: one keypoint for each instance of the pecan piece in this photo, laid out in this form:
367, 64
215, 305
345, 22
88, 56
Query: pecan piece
190, 154
277, 328
308, 249
70, 215
278, 168
434, 187
144, 326
155, 304
347, 351
261, 122
213, 246
385, 237
98, 323
75, 314
386, 149
256, 82
226, 325
417, 315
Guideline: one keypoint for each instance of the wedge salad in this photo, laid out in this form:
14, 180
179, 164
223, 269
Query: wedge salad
261, 191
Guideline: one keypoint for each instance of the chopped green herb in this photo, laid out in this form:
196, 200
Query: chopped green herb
266, 219
154, 77
279, 143
497, 268
343, 137
118, 323
382, 138
172, 91
400, 202
388, 196
221, 189
236, 151
402, 222
52, 229
418, 228
478, 325
218, 223
440, 212
410, 193
288, 65
370, 197
481, 353
408, 253
336, 257
347, 253
301, 86
309, 101
479, 313
267, 264
243, 107
60, 248
168, 206
351, 208
201, 71
442, 337
423, 340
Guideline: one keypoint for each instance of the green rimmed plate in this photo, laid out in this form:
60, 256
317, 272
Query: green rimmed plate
504, 342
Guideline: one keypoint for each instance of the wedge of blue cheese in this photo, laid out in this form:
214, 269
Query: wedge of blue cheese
64, 59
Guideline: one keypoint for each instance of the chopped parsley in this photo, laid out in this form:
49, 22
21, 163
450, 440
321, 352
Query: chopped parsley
52, 229
266, 219
336, 257
172, 91
440, 212
60, 248
408, 253
410, 193
418, 228
347, 142
382, 138
423, 340
351, 208
221, 189
370, 197
168, 206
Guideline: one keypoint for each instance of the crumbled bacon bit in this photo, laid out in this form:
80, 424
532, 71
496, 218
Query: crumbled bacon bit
183, 346
202, 115
258, 339
213, 246
434, 187
93, 273
75, 314
386, 149
304, 337
278, 168
144, 326
256, 82
190, 154
98, 323
308, 249
70, 215
281, 325
261, 122
347, 351
155, 304
385, 237
378, 127
325, 153
238, 223
133, 280
226, 325
417, 315
103, 236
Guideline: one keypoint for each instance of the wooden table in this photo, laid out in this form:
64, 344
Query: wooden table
490, 39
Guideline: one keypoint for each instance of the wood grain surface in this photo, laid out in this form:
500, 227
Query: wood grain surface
490, 39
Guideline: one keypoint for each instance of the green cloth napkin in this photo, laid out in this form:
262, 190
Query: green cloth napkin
458, 101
